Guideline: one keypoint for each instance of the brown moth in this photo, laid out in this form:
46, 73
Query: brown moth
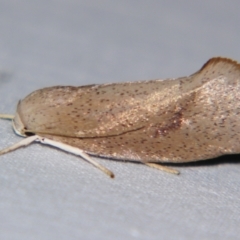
174, 120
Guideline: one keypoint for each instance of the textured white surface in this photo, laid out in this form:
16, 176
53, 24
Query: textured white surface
48, 194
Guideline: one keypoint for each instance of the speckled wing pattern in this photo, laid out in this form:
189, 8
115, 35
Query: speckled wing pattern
173, 120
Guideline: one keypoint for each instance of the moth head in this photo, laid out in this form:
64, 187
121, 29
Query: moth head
18, 125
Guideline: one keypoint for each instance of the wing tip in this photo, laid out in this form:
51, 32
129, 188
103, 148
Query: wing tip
222, 60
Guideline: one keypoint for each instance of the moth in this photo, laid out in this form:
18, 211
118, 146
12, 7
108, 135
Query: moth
158, 121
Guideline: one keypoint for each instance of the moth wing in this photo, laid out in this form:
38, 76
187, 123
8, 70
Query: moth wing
95, 111
196, 125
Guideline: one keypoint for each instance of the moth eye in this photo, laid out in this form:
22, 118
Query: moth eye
28, 134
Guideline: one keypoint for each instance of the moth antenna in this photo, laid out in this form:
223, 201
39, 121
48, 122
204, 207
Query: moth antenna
163, 168
7, 116
25, 142
76, 151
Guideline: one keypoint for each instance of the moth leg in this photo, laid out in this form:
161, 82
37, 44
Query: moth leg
25, 142
75, 151
162, 168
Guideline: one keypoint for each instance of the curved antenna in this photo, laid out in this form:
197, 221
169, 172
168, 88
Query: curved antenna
7, 116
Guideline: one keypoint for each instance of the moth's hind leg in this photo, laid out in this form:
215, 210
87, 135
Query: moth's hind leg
163, 168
